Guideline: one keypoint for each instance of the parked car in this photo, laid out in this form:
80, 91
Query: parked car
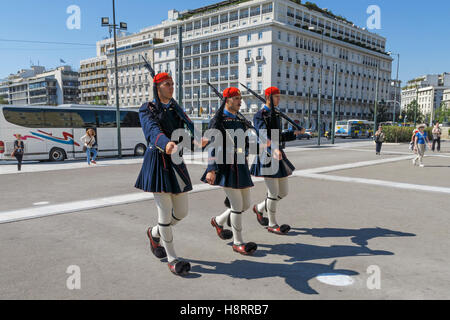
305, 135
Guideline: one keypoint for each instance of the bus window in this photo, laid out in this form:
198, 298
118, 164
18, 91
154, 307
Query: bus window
106, 119
129, 119
57, 119
31, 118
84, 119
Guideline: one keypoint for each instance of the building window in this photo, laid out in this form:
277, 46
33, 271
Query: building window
224, 18
255, 11
243, 13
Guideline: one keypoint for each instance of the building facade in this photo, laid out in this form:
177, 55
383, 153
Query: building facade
39, 87
135, 82
446, 98
428, 91
261, 43
94, 81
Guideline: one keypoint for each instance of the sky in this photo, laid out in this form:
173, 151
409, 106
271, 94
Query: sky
418, 30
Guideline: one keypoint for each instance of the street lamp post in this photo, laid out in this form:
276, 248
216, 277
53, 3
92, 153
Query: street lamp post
180, 65
309, 108
376, 99
396, 83
122, 26
415, 107
319, 126
333, 112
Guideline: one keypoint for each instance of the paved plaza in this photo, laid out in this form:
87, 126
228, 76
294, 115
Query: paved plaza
363, 227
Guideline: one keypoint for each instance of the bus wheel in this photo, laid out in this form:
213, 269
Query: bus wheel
57, 155
139, 150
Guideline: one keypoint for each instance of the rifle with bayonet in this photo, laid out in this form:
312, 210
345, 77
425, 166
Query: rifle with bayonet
278, 112
239, 115
186, 120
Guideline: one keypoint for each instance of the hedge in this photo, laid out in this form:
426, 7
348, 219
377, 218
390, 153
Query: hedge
401, 134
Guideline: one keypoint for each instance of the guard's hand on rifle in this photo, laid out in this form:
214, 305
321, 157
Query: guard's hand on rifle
202, 143
277, 155
211, 177
171, 148
299, 132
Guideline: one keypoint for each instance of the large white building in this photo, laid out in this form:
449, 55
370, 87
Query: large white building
93, 81
36, 86
135, 82
446, 98
427, 90
261, 43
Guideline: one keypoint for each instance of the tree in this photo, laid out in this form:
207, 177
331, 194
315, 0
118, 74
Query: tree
3, 101
442, 113
97, 102
410, 110
383, 113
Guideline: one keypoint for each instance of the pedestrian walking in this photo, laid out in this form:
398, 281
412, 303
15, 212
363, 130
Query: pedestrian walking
89, 145
413, 138
419, 145
379, 139
19, 151
437, 132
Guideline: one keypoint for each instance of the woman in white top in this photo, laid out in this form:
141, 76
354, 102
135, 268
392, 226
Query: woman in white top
89, 141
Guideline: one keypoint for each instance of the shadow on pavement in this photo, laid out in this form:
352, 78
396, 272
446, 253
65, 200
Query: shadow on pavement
296, 275
307, 252
358, 236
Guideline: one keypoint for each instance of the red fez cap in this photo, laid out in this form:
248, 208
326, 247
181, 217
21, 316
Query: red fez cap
231, 92
161, 77
272, 91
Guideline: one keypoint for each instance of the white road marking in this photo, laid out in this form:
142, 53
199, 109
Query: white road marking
44, 211
380, 183
335, 279
352, 165
430, 155
40, 203
10, 167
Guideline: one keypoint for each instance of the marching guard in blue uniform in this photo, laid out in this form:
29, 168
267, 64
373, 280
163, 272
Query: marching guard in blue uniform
169, 182
234, 177
276, 182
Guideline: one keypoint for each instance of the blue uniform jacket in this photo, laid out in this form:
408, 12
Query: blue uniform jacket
159, 174
262, 121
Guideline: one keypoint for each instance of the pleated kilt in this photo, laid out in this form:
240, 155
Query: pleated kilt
285, 168
235, 176
160, 175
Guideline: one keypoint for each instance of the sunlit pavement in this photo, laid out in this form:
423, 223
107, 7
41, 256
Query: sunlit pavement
363, 227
